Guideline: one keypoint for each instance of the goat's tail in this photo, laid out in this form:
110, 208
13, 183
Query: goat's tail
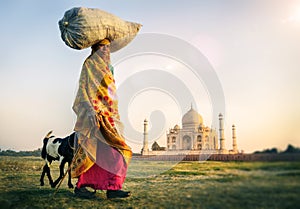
48, 134
45, 141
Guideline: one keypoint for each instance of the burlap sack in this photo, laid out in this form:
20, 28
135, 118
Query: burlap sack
82, 27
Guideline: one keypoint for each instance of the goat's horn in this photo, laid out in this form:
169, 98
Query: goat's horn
48, 135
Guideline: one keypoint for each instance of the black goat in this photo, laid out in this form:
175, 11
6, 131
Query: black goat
60, 149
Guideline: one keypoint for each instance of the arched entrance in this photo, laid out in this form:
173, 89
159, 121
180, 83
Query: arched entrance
186, 142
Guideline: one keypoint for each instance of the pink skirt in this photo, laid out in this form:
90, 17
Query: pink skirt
109, 171
100, 179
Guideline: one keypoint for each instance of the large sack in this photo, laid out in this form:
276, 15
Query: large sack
82, 27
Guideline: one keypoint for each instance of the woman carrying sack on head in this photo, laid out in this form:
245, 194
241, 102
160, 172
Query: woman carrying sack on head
103, 156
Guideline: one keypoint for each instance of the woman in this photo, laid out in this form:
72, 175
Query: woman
102, 158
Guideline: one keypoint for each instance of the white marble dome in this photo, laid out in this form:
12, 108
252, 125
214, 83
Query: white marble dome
192, 117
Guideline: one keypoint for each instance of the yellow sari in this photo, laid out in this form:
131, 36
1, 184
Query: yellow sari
96, 96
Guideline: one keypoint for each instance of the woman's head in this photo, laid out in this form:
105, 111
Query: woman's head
102, 48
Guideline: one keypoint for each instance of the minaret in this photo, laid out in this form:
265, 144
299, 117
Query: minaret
234, 144
221, 129
145, 149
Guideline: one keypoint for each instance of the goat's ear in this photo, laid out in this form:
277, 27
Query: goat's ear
48, 135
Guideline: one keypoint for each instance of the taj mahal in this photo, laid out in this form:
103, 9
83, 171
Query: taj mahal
193, 138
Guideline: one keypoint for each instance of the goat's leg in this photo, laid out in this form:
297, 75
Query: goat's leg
61, 172
43, 175
46, 170
70, 185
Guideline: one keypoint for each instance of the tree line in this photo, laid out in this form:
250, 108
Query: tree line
36, 153
290, 149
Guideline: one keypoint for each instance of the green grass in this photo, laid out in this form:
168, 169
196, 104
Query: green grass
162, 185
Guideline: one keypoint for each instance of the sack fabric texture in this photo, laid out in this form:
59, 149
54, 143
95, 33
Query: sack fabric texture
82, 27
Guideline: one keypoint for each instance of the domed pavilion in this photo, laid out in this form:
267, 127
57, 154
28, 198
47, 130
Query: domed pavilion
193, 135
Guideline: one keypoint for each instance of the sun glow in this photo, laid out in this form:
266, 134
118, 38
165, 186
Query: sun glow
294, 17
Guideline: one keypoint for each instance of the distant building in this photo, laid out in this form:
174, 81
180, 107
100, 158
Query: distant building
156, 147
194, 137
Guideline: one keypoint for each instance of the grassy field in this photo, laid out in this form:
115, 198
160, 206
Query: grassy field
162, 185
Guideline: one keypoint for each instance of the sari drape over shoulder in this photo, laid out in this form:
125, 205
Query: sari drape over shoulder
96, 97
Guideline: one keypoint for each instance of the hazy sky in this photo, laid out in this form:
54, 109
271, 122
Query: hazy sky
252, 45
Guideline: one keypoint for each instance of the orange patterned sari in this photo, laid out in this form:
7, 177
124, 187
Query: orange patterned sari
96, 96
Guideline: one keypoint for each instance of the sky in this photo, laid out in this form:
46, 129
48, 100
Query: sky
251, 47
